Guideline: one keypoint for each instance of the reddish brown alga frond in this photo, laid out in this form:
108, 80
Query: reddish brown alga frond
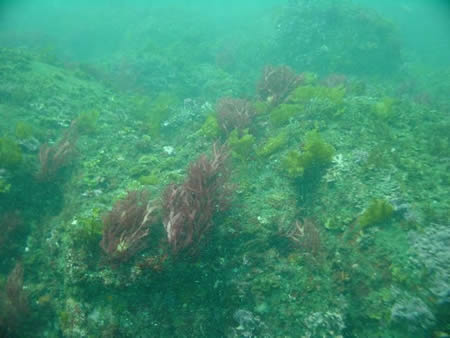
189, 208
14, 307
276, 83
53, 158
127, 226
234, 114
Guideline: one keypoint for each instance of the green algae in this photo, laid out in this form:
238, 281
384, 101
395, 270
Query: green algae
10, 153
379, 211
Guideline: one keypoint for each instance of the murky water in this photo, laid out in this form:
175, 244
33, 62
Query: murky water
220, 169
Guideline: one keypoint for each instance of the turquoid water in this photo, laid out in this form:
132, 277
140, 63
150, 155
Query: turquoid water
236, 169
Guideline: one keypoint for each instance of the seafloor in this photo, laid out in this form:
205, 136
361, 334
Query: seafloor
335, 222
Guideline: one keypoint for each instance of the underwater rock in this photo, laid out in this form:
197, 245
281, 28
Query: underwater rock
314, 35
324, 324
30, 145
169, 150
430, 249
413, 314
249, 324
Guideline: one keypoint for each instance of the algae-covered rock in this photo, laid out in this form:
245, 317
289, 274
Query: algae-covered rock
314, 35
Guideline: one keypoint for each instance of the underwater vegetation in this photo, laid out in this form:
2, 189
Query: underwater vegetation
10, 153
210, 128
242, 147
272, 145
189, 208
86, 122
276, 83
24, 130
303, 96
379, 211
14, 304
283, 113
127, 225
4, 186
222, 170
159, 111
234, 114
10, 224
56, 157
315, 156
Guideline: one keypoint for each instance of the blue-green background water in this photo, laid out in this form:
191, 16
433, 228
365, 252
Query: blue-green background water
220, 169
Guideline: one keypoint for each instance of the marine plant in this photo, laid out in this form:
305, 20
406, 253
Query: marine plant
319, 99
273, 144
10, 223
90, 229
379, 211
261, 107
376, 305
304, 235
292, 164
234, 114
14, 304
10, 153
127, 226
23, 130
160, 110
385, 108
281, 114
54, 158
210, 128
315, 156
304, 94
276, 83
4, 186
86, 122
310, 78
140, 107
334, 80
241, 146
151, 179
189, 208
